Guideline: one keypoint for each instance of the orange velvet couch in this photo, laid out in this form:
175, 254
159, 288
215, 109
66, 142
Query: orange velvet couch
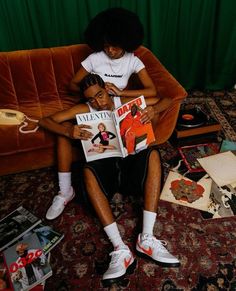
35, 82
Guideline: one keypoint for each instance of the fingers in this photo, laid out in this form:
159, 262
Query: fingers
84, 135
83, 126
147, 114
80, 133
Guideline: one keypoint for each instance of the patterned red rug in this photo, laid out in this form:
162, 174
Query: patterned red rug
206, 248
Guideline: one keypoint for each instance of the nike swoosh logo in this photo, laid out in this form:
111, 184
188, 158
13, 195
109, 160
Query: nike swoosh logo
146, 251
127, 262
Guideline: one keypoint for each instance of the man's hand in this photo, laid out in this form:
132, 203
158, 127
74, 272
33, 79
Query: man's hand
78, 132
147, 114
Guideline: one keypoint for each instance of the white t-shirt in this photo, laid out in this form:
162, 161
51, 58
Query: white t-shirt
116, 71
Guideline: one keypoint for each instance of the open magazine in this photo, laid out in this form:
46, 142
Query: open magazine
116, 133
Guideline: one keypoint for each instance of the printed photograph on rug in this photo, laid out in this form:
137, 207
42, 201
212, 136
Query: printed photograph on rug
181, 190
222, 202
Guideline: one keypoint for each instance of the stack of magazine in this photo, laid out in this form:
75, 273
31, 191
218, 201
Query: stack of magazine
25, 245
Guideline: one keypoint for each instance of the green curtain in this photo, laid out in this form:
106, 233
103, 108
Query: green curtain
194, 39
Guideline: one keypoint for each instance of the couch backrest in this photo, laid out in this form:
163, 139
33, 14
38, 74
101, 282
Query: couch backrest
35, 82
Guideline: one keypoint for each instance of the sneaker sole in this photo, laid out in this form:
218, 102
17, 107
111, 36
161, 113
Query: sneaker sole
162, 264
129, 271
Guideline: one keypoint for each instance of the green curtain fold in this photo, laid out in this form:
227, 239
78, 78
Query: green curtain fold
194, 39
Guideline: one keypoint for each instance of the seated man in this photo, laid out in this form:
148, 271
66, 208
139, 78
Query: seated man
140, 173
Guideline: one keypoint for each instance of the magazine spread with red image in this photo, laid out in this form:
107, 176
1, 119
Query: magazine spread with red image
116, 133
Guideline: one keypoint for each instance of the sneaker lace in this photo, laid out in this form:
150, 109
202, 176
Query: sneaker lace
159, 244
115, 256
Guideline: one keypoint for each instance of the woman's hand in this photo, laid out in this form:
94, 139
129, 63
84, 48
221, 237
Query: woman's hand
78, 132
112, 89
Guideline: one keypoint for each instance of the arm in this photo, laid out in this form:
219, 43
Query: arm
111, 135
54, 123
74, 83
155, 108
147, 91
95, 137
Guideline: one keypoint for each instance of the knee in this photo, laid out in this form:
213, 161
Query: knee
154, 158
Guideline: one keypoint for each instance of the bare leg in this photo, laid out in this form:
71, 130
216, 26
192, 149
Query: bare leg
98, 198
64, 153
153, 183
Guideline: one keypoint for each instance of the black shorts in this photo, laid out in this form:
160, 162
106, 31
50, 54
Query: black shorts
124, 175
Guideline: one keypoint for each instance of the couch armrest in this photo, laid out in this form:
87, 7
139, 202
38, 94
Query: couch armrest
167, 86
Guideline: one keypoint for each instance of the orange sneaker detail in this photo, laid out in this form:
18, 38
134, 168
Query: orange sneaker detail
146, 251
127, 262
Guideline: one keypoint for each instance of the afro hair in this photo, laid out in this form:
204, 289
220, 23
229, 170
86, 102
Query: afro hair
117, 27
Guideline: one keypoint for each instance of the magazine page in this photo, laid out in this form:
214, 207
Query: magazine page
104, 143
133, 135
15, 225
181, 190
222, 202
48, 237
221, 167
27, 264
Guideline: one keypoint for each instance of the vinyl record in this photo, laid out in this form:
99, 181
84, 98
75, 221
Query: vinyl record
191, 118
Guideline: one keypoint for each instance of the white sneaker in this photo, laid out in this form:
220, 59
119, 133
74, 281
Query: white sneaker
58, 204
147, 245
122, 262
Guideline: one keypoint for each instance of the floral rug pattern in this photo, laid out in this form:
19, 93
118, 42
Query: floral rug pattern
206, 248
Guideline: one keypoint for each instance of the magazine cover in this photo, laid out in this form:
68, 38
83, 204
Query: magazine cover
133, 135
27, 264
104, 142
181, 190
222, 202
15, 225
48, 237
116, 133
191, 153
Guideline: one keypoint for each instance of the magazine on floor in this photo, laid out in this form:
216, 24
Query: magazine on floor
5, 281
4, 277
15, 225
222, 202
27, 264
186, 192
116, 133
48, 237
191, 154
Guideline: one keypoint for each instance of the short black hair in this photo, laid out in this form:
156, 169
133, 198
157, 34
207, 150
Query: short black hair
117, 27
90, 80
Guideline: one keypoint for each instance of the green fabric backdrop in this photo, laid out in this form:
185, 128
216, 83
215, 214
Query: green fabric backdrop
194, 39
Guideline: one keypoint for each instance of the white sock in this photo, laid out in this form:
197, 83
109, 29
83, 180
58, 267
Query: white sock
65, 183
149, 219
113, 234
